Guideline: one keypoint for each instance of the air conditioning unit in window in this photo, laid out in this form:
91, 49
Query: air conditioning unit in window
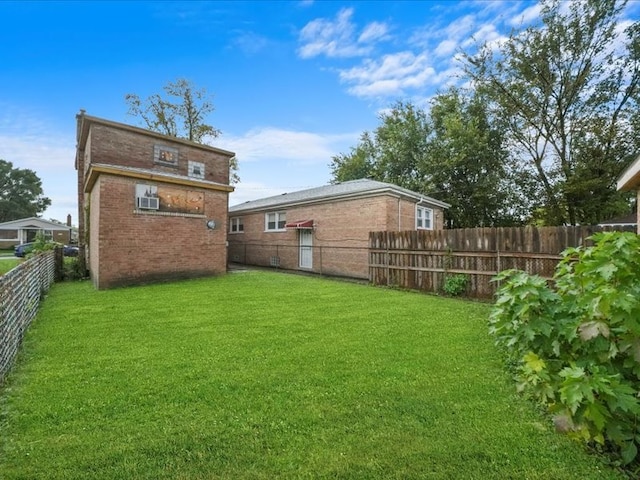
150, 203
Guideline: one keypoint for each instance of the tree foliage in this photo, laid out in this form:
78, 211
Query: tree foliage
182, 113
450, 152
567, 92
468, 165
576, 346
21, 193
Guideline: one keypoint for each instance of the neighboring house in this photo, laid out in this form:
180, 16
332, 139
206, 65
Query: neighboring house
630, 220
326, 229
152, 207
25, 230
630, 180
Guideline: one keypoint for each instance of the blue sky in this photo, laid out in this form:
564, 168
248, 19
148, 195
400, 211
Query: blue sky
293, 83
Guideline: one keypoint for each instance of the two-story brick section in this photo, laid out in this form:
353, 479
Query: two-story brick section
151, 207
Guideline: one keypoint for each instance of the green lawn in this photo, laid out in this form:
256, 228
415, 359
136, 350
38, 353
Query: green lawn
265, 375
9, 264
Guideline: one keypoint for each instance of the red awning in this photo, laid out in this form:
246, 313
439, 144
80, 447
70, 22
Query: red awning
300, 224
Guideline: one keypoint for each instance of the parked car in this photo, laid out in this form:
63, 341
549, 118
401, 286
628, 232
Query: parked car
70, 250
22, 249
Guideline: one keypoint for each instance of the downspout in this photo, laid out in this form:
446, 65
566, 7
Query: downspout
399, 214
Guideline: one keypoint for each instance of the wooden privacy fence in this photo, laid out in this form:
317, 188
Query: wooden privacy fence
422, 260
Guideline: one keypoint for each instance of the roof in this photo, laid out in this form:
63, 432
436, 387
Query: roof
85, 121
630, 178
33, 222
339, 191
148, 174
631, 219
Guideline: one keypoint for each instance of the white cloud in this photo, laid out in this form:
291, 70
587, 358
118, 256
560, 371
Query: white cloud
250, 43
263, 144
247, 191
374, 31
445, 48
527, 16
53, 162
389, 76
487, 33
337, 37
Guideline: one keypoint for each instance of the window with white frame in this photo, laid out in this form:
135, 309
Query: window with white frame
165, 155
236, 225
196, 169
275, 221
424, 218
147, 197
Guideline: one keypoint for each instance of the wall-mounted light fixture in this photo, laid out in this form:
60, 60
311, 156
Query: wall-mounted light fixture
211, 224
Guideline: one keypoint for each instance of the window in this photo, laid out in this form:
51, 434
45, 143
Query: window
275, 221
236, 225
165, 155
423, 218
147, 197
196, 170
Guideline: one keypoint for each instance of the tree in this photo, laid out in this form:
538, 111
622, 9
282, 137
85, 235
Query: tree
468, 165
450, 152
394, 153
182, 115
21, 193
567, 92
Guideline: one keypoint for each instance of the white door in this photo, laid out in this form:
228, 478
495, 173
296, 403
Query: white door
306, 248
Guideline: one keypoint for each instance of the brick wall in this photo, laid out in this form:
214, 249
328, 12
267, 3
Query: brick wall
124, 245
340, 237
121, 147
129, 246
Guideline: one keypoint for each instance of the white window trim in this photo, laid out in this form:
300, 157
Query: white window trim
424, 210
238, 221
192, 166
277, 214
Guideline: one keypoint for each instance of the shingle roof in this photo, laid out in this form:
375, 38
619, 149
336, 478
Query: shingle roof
33, 222
350, 189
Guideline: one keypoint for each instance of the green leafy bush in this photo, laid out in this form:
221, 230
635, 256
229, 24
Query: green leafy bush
575, 345
455, 285
72, 269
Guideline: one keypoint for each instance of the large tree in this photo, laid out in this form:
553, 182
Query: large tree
468, 166
181, 113
450, 152
566, 90
21, 193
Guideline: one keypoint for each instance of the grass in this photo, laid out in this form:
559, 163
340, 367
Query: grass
266, 375
6, 265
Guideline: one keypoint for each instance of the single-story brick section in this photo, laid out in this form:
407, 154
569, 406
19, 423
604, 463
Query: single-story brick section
630, 180
152, 207
326, 229
25, 230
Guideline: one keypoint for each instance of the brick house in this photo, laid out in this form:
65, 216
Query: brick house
630, 180
326, 229
25, 230
151, 207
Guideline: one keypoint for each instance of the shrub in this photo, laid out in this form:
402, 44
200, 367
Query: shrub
72, 269
455, 285
575, 345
